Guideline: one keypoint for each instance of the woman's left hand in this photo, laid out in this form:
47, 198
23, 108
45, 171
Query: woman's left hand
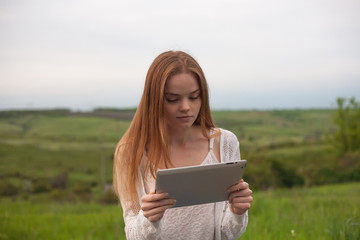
240, 197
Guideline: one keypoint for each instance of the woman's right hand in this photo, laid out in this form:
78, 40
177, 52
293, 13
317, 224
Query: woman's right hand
154, 205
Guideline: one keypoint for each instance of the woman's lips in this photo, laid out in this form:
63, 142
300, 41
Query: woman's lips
184, 117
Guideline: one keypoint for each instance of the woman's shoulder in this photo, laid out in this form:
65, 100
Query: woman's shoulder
228, 135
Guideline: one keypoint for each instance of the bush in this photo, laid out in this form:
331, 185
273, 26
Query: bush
61, 195
349, 160
324, 175
59, 181
347, 118
108, 196
41, 186
82, 192
286, 177
351, 175
8, 189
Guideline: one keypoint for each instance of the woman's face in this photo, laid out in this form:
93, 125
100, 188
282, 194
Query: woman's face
182, 100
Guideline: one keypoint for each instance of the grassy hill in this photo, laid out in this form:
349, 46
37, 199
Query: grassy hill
285, 148
56, 168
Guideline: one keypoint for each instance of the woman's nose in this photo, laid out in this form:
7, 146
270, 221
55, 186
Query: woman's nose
184, 105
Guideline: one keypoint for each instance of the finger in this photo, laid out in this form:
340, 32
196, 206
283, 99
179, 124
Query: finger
241, 206
156, 211
146, 206
154, 197
242, 193
156, 217
247, 199
238, 186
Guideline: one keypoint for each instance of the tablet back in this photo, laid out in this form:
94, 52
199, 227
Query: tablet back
199, 184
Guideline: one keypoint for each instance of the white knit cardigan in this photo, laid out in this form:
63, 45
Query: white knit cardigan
227, 224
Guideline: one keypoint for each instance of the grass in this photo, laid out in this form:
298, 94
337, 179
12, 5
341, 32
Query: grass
64, 128
35, 147
35, 160
23, 220
326, 212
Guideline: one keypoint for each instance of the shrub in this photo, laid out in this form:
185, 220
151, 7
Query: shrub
61, 195
41, 186
351, 175
108, 196
8, 189
324, 175
82, 192
347, 118
286, 177
59, 181
349, 160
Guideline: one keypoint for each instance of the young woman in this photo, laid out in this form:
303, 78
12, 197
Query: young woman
173, 127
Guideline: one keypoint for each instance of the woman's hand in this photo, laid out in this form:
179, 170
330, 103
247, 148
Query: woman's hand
154, 205
240, 197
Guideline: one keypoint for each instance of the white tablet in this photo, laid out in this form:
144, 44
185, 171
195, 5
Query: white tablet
199, 184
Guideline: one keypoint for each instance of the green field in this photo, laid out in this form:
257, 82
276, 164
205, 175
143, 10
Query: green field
56, 174
327, 212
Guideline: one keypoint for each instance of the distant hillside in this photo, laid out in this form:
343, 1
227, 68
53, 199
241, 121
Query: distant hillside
284, 148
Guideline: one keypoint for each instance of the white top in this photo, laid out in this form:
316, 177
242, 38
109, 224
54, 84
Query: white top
192, 222
205, 221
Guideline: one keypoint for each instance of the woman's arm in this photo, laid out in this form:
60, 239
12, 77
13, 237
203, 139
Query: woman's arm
233, 225
145, 223
235, 218
137, 227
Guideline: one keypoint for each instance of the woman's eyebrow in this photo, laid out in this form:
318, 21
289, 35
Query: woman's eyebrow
175, 94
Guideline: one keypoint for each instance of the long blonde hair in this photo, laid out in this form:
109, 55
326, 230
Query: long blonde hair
147, 129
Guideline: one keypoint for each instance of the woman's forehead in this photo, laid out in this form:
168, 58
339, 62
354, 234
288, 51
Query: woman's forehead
183, 83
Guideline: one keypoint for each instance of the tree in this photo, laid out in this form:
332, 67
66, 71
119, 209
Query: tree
347, 118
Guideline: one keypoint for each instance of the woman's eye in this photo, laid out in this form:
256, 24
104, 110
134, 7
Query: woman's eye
171, 99
194, 97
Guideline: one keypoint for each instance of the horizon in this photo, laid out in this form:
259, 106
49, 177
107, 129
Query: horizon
104, 108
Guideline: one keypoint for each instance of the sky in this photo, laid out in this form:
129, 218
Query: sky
258, 54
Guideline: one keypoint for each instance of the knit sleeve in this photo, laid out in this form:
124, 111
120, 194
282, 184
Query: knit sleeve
229, 146
137, 226
232, 225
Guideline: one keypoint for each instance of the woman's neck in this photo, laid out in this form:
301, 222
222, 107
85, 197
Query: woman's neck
181, 137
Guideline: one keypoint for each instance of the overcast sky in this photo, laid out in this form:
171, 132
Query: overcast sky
255, 54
